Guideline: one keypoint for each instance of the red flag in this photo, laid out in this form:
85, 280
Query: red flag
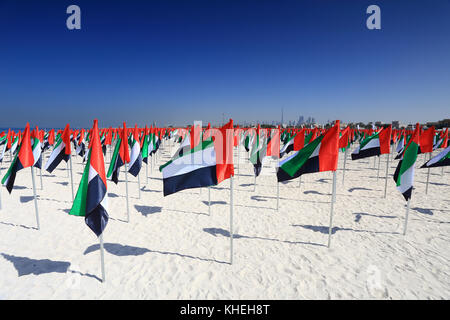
426, 140
329, 149
224, 153
26, 157
66, 138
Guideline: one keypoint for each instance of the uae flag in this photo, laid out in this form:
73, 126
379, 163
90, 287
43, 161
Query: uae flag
14, 144
374, 145
60, 152
23, 159
145, 145
195, 168
321, 154
120, 155
404, 173
91, 200
441, 160
207, 164
288, 147
136, 157
3, 141
258, 152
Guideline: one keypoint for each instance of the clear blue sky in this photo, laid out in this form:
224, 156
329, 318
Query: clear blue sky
174, 62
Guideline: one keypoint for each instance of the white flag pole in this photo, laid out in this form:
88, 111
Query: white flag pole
239, 158
386, 180
40, 171
139, 183
378, 171
278, 195
102, 257
71, 174
333, 199
209, 201
231, 220
126, 187
146, 171
35, 199
299, 181
406, 217
345, 160
67, 168
428, 176
0, 188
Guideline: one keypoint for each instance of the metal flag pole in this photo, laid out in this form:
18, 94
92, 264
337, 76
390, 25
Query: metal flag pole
378, 171
139, 183
67, 167
35, 199
278, 195
102, 256
299, 181
386, 179
0, 188
71, 174
333, 199
126, 187
146, 172
428, 176
40, 173
231, 220
209, 201
406, 218
239, 158
345, 160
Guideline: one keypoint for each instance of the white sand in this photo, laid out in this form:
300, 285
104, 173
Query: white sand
172, 249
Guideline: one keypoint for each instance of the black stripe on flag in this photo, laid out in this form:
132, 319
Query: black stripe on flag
96, 216
117, 165
310, 166
371, 152
16, 167
136, 167
203, 177
61, 156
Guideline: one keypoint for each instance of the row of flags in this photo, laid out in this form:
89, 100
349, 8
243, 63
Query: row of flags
205, 157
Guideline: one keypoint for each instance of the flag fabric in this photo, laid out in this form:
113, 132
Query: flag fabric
208, 163
404, 173
273, 143
258, 152
195, 168
23, 159
91, 200
321, 154
374, 145
136, 156
37, 150
224, 153
60, 152
120, 155
287, 147
145, 145
426, 140
440, 160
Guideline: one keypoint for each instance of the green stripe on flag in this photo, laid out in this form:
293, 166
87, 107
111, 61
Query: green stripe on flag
297, 161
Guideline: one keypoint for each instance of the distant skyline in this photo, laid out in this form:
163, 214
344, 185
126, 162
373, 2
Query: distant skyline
173, 62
